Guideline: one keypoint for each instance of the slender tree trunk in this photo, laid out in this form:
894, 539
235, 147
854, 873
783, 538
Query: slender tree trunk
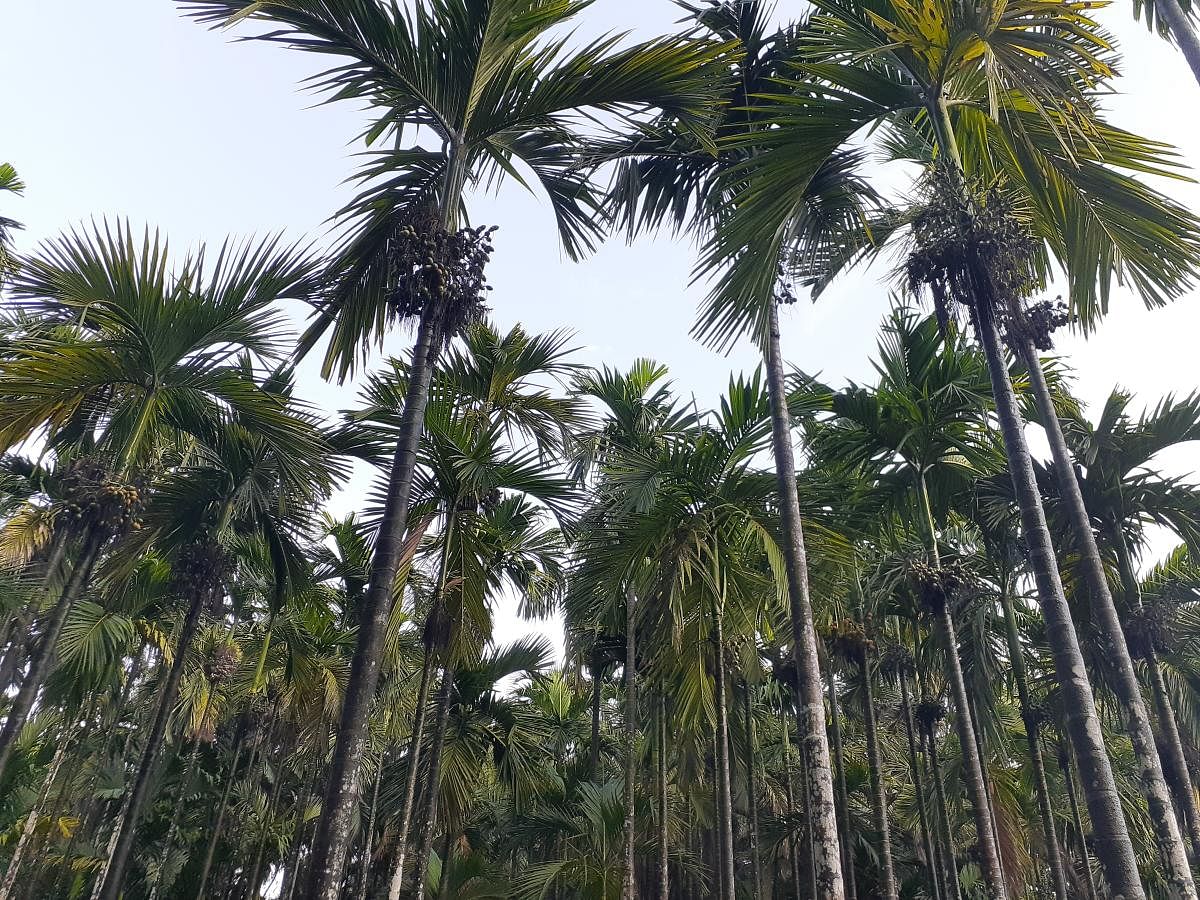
43, 651
444, 877
752, 793
434, 777
1124, 683
31, 822
628, 879
879, 801
186, 786
972, 763
953, 886
214, 836
810, 718
843, 808
332, 840
413, 764
793, 842
296, 855
932, 862
1083, 724
252, 885
114, 875
1176, 760
664, 870
1183, 31
1016, 655
724, 793
369, 837
1064, 765
594, 744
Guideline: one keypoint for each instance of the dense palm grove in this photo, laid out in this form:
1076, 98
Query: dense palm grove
822, 640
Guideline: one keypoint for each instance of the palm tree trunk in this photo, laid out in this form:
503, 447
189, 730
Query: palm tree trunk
291, 876
664, 872
932, 862
810, 718
332, 840
1175, 763
1183, 31
1176, 760
429, 828
1124, 683
31, 821
839, 765
879, 801
43, 651
977, 793
114, 875
214, 837
1083, 724
752, 793
410, 776
628, 881
953, 886
255, 880
1064, 765
444, 878
1016, 655
369, 837
186, 786
789, 792
972, 767
724, 775
594, 743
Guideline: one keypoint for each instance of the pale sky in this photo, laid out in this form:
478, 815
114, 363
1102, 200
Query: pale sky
125, 109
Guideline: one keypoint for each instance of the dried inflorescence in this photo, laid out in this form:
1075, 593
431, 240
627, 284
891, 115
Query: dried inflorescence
936, 586
223, 660
95, 500
849, 641
441, 270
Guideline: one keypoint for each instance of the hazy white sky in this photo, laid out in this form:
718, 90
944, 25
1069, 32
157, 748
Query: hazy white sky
125, 109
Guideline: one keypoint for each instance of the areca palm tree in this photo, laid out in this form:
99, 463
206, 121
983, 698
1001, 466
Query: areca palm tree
246, 489
668, 176
640, 416
148, 352
1123, 493
963, 86
501, 99
919, 430
492, 429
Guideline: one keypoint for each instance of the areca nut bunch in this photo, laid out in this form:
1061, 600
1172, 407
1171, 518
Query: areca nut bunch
896, 661
1149, 628
1037, 714
431, 265
201, 569
938, 585
928, 713
93, 498
1037, 323
971, 247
